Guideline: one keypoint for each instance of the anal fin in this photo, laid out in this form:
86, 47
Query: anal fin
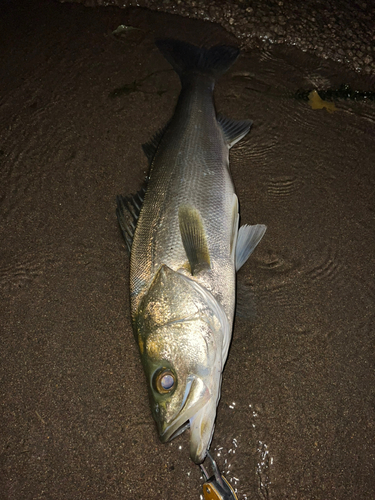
233, 130
194, 238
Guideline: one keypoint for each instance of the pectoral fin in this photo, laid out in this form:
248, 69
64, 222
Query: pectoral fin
194, 238
247, 240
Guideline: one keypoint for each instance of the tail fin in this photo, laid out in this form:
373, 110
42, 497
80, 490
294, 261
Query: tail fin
188, 59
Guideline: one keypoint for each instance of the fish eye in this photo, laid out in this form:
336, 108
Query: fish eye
164, 381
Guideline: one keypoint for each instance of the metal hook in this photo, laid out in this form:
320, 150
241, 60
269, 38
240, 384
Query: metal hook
216, 487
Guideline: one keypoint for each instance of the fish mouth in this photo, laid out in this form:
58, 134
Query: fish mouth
202, 426
195, 397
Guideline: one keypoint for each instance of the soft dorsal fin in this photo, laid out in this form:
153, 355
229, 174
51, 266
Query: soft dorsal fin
247, 240
233, 130
193, 238
150, 147
128, 209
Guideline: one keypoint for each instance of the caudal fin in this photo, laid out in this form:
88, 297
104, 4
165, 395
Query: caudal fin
188, 59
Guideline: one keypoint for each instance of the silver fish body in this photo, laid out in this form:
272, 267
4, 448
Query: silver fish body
186, 250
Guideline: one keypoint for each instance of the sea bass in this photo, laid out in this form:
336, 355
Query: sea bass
186, 246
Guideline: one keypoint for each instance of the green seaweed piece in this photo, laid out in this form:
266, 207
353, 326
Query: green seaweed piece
126, 89
123, 29
135, 86
344, 92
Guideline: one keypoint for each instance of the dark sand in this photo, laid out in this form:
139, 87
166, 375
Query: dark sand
341, 30
296, 418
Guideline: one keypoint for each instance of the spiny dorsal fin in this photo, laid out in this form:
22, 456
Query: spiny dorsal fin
193, 238
247, 240
128, 209
150, 147
233, 130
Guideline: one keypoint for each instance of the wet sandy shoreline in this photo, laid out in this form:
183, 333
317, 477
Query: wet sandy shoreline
296, 418
339, 30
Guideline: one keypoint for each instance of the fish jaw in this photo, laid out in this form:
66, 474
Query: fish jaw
198, 411
196, 396
202, 426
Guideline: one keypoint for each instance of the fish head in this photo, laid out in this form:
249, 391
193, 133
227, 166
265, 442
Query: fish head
180, 338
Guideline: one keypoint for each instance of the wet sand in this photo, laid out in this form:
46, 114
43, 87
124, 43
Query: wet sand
296, 417
341, 30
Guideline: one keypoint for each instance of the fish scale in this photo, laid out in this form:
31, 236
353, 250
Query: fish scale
198, 155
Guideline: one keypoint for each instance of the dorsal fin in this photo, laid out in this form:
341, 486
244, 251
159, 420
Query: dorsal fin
247, 240
194, 238
128, 209
233, 130
150, 147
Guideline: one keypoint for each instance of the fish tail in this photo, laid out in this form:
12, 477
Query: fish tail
188, 59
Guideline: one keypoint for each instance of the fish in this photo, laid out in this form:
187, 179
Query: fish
185, 247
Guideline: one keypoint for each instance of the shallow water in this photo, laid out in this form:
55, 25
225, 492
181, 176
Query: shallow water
296, 418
